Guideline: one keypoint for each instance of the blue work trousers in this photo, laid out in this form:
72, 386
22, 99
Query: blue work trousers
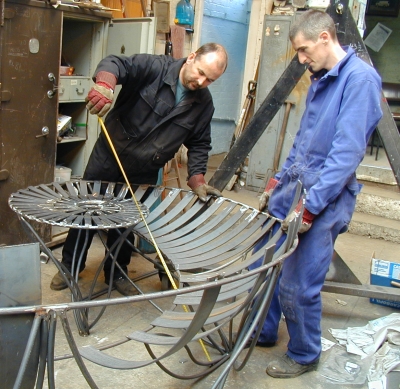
297, 294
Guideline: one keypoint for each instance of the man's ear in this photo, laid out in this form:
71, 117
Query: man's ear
190, 57
324, 36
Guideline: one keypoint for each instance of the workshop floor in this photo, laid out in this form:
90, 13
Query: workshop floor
339, 311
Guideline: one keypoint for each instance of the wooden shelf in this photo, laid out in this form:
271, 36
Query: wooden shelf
72, 139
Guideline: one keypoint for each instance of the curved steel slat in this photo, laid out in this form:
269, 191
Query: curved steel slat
50, 192
152, 197
162, 215
72, 190
174, 319
198, 213
60, 190
96, 188
227, 292
182, 235
140, 191
222, 233
223, 243
223, 259
83, 188
158, 210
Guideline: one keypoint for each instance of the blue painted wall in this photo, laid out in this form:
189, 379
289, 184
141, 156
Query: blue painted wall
226, 22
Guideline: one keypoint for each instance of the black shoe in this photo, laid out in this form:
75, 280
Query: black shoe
286, 367
125, 287
259, 344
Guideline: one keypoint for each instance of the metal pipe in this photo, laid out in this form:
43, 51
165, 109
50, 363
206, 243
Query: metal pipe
138, 298
28, 351
44, 335
50, 350
75, 351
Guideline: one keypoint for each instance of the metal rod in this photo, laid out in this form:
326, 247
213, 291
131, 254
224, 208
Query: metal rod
28, 351
137, 298
75, 351
260, 121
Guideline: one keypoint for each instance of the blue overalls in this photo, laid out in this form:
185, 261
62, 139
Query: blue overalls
342, 110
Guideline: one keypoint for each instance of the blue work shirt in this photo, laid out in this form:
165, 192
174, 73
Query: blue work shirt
342, 110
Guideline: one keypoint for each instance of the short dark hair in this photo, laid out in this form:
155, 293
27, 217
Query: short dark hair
311, 23
213, 48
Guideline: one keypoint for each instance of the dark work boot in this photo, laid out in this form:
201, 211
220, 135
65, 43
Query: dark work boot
125, 287
58, 282
286, 367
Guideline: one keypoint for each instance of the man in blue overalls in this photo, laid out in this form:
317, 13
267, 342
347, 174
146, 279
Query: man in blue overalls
342, 110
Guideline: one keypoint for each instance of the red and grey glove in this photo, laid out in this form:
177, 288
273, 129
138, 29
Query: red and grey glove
197, 184
264, 198
100, 97
306, 221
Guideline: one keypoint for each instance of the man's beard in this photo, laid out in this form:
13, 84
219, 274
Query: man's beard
194, 85
191, 84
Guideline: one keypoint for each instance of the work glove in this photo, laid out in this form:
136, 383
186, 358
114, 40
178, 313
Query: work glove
264, 198
100, 97
197, 184
306, 221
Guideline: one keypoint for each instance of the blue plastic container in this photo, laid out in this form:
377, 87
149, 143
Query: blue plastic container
184, 14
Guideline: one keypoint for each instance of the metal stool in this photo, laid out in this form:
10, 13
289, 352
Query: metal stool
83, 205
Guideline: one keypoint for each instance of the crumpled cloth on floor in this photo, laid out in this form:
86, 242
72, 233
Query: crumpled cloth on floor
385, 360
379, 339
366, 340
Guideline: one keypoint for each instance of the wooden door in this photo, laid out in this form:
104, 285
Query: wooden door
30, 50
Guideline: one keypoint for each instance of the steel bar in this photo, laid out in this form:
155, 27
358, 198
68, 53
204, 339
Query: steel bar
75, 352
132, 299
372, 291
348, 34
263, 116
28, 350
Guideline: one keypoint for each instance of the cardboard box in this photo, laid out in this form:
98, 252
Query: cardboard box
383, 273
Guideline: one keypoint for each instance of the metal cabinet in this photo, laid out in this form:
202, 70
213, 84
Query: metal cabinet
72, 89
85, 41
83, 45
35, 38
276, 54
29, 48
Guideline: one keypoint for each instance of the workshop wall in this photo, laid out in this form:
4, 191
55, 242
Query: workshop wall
387, 60
227, 23
161, 37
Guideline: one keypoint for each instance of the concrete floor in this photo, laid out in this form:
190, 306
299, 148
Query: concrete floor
120, 320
